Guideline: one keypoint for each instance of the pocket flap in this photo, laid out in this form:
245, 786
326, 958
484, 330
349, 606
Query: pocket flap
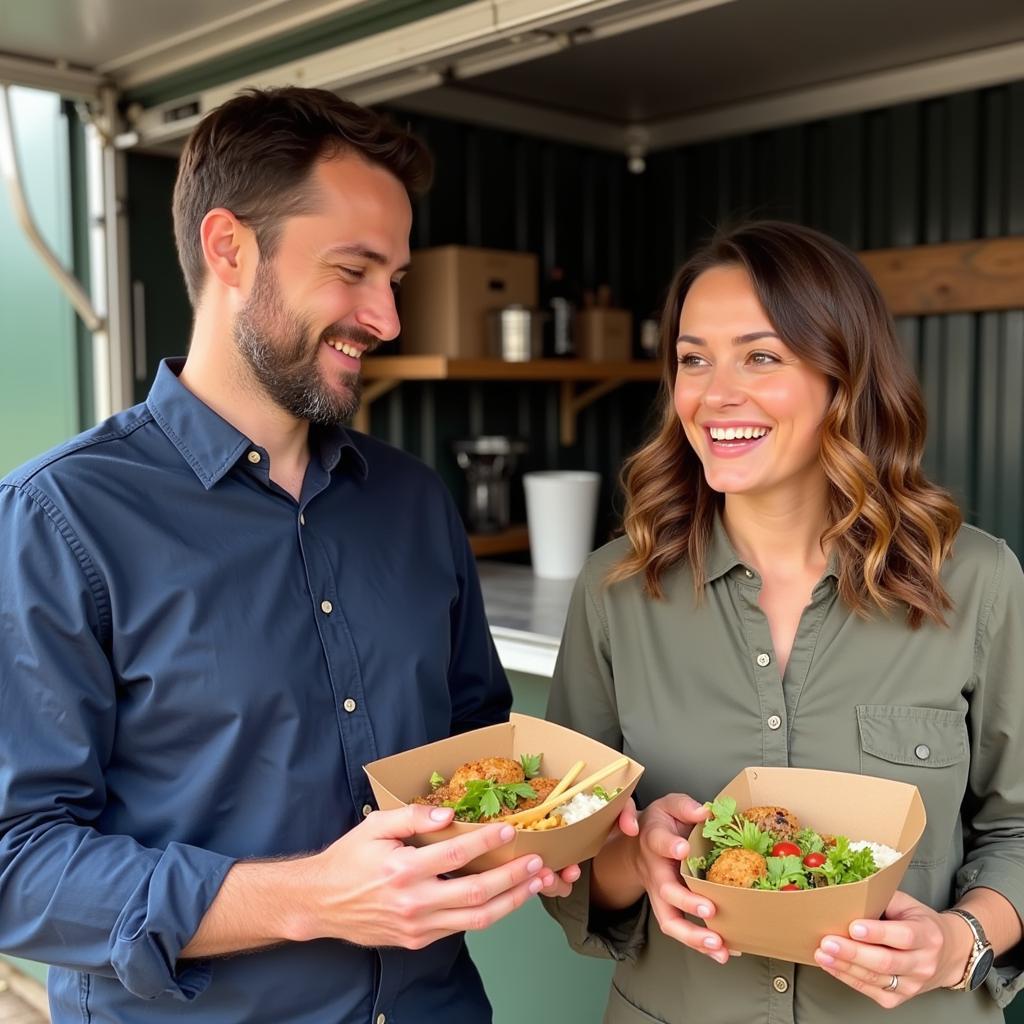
925, 737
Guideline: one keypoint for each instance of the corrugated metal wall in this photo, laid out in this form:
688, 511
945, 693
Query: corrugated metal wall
942, 170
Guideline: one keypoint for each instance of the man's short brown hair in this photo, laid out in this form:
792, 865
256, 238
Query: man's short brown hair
254, 156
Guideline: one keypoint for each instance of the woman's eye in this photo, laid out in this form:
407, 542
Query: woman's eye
763, 358
691, 359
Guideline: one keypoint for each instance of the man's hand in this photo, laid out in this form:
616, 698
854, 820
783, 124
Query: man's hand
371, 889
658, 855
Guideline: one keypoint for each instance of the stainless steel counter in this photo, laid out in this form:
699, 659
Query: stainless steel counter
526, 615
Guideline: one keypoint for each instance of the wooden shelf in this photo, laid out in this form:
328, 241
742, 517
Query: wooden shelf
515, 538
444, 368
382, 374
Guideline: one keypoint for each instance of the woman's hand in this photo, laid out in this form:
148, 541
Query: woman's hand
658, 855
919, 947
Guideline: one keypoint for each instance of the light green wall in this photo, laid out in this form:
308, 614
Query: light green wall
531, 975
39, 403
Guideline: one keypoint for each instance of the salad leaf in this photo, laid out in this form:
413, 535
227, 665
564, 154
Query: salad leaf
726, 828
809, 841
606, 795
436, 779
531, 765
845, 865
783, 871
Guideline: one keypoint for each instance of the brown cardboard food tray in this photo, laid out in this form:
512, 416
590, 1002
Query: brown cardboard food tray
789, 925
399, 779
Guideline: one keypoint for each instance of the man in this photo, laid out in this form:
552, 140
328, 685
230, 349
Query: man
217, 606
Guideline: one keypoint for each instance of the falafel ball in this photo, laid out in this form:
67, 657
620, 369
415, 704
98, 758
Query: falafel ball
739, 867
779, 821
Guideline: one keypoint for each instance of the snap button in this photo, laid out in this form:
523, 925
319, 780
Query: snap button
367, 810
922, 751
774, 722
748, 574
326, 607
254, 457
381, 1019
780, 984
764, 660
349, 704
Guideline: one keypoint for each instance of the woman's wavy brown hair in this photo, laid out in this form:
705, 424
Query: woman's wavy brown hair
889, 526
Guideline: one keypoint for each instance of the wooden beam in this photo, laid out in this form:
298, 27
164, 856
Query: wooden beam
956, 277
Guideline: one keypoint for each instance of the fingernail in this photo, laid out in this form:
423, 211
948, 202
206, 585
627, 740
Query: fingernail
536, 885
712, 942
858, 931
824, 958
679, 850
720, 957
534, 865
830, 947
440, 814
735, 952
703, 910
507, 834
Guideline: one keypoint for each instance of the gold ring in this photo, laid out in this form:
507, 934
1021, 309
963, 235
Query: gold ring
894, 984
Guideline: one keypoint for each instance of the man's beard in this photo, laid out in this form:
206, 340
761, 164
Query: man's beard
279, 348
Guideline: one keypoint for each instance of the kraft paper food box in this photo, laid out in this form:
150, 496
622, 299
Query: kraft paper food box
399, 779
789, 925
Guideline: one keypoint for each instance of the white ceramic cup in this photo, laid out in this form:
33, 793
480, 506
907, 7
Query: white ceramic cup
561, 509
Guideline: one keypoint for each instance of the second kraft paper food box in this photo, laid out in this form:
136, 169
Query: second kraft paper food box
789, 925
399, 779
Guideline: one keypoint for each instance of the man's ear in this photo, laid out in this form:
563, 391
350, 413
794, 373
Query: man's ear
229, 248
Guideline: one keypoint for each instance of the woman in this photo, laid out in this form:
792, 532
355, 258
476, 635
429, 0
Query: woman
792, 591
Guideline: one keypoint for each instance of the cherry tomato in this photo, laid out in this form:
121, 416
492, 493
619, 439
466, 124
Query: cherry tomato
790, 887
785, 850
814, 860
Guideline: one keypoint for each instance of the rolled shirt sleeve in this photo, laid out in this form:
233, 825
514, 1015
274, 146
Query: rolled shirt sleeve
586, 702
994, 856
70, 895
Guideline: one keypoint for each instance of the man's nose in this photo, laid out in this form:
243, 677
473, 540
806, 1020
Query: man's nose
379, 314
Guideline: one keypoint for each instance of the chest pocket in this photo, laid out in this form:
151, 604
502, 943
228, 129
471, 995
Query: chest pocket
929, 748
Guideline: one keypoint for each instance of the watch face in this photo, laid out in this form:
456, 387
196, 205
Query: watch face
981, 969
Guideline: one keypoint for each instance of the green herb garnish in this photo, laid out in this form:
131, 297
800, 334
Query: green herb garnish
531, 765
845, 865
436, 779
484, 798
726, 828
783, 871
604, 794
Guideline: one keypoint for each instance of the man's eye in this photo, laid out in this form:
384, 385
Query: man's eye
356, 273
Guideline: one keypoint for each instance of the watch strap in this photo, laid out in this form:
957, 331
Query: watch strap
978, 949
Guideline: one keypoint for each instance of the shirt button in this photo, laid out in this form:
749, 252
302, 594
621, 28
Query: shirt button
254, 457
764, 660
326, 607
780, 984
367, 810
774, 722
381, 1019
302, 519
349, 704
748, 574
922, 751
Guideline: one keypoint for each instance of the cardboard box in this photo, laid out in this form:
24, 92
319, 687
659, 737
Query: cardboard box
604, 334
448, 292
399, 779
789, 925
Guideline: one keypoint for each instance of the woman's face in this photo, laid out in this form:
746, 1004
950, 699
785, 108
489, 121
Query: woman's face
751, 409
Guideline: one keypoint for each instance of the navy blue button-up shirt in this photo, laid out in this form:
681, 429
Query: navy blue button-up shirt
194, 668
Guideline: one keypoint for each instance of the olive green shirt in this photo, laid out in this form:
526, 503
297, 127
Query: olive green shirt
693, 693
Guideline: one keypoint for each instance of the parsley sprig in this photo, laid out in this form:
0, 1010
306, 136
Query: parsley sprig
484, 798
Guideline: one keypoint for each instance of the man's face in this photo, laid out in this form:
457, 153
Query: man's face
328, 295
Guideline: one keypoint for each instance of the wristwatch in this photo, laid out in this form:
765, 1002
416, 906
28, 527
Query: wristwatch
979, 963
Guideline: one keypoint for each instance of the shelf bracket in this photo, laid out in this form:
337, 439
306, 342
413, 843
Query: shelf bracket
573, 403
371, 392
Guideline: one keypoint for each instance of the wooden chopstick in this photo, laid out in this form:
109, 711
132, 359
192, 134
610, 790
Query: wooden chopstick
566, 781
528, 817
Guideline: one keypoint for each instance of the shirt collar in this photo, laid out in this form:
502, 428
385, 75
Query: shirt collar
211, 445
722, 555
